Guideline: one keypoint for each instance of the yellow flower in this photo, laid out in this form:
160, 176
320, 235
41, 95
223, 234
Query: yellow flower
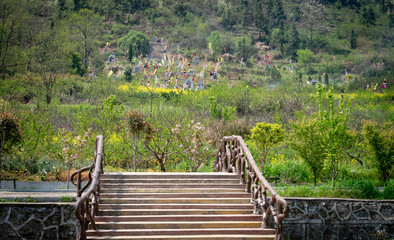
114, 138
124, 88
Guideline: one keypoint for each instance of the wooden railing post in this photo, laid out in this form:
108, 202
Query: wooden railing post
84, 209
234, 156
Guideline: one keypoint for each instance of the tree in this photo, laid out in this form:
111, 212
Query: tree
49, 57
13, 27
307, 140
194, 143
313, 18
368, 16
216, 43
163, 144
277, 39
265, 136
80, 4
219, 112
72, 147
244, 48
139, 128
138, 41
63, 8
259, 19
228, 20
326, 81
10, 134
89, 25
76, 64
353, 39
380, 144
292, 42
278, 15
130, 52
306, 57
332, 122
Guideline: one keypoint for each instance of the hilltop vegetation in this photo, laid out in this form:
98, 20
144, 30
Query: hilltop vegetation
321, 72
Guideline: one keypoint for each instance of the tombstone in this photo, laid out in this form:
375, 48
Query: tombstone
137, 69
200, 86
215, 75
111, 58
314, 82
196, 61
132, 63
188, 84
190, 72
202, 74
178, 73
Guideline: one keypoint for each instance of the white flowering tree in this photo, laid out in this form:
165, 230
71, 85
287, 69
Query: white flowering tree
193, 143
72, 148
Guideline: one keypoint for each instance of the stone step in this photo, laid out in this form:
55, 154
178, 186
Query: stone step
115, 194
183, 232
139, 175
174, 200
172, 181
177, 206
135, 212
170, 190
169, 185
179, 218
178, 225
193, 237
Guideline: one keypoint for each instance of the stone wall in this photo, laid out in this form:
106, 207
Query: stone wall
37, 221
320, 219
315, 219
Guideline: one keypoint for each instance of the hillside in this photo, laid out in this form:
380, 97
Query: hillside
319, 74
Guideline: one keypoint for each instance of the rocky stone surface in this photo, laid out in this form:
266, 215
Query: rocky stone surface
321, 219
317, 219
37, 221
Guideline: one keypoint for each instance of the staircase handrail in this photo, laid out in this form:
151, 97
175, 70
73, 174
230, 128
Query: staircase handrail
234, 156
87, 206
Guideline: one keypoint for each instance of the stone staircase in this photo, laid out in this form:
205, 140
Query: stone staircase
176, 206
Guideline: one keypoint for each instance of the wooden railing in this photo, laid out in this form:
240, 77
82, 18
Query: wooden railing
87, 206
234, 156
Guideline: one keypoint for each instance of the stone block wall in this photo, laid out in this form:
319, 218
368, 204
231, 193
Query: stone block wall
37, 221
315, 219
321, 219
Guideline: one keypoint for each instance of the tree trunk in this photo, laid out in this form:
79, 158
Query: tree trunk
314, 176
135, 150
333, 181
68, 177
162, 167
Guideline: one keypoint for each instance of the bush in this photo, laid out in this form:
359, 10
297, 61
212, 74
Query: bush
388, 192
289, 171
367, 190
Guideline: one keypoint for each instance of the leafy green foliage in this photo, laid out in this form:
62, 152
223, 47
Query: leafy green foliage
139, 43
380, 143
10, 134
307, 140
265, 136
216, 43
332, 123
217, 111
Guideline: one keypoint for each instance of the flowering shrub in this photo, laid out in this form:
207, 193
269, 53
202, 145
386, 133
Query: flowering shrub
193, 144
72, 148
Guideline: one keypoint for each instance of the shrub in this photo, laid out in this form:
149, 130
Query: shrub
388, 192
289, 171
10, 134
366, 189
